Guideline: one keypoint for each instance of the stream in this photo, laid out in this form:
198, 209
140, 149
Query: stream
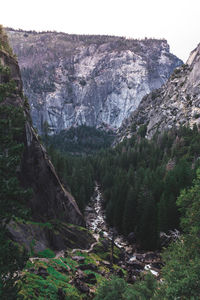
96, 222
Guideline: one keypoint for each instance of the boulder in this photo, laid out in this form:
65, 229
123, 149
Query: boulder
81, 286
90, 278
80, 275
135, 265
151, 256
90, 267
79, 259
42, 272
52, 235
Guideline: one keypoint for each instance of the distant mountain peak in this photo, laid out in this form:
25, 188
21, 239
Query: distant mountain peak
97, 81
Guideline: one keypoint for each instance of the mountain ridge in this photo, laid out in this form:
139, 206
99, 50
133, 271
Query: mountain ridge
74, 80
175, 104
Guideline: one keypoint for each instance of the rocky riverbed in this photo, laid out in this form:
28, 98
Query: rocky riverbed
134, 261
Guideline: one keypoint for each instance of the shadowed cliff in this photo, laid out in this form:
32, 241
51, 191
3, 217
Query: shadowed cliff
50, 200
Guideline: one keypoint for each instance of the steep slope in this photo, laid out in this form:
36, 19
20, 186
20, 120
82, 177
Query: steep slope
49, 198
176, 103
72, 80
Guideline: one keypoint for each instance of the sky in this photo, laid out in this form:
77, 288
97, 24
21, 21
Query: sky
178, 21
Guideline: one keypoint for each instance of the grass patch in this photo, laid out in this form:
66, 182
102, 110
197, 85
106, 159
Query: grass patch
47, 253
60, 272
34, 286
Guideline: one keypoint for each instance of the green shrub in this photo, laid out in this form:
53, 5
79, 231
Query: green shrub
47, 253
118, 289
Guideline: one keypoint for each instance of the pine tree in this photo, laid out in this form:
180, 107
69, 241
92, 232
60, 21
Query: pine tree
12, 196
147, 220
129, 216
181, 274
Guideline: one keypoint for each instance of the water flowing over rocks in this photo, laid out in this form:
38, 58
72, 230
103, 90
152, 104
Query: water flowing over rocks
98, 81
132, 260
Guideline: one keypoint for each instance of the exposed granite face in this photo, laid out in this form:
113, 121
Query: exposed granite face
98, 81
54, 235
50, 200
176, 103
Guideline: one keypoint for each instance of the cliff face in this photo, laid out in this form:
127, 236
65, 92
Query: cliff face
176, 103
98, 81
49, 200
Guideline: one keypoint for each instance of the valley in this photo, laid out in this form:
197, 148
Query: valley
96, 222
104, 202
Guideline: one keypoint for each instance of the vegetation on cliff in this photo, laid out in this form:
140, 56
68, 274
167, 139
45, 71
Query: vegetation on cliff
13, 197
4, 44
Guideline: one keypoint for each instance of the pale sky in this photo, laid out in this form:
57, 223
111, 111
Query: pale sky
178, 21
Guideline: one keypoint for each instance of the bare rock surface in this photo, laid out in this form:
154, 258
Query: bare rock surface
98, 81
175, 104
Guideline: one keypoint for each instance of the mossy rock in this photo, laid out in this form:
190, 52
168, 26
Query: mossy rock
54, 235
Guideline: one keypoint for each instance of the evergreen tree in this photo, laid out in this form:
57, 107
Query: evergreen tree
181, 274
12, 196
129, 216
147, 220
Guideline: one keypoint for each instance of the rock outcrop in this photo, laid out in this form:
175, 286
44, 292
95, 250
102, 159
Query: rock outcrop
56, 235
98, 81
49, 199
176, 103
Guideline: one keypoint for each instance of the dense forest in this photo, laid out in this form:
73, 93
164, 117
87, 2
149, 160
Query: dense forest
181, 273
141, 180
79, 140
149, 186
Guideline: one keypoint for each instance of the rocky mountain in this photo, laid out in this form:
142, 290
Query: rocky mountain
176, 103
49, 200
72, 80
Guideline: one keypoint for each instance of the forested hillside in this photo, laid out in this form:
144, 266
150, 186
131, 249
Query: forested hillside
141, 181
181, 273
144, 186
80, 140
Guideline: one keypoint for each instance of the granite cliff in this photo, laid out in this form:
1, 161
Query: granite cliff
176, 103
98, 81
49, 200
